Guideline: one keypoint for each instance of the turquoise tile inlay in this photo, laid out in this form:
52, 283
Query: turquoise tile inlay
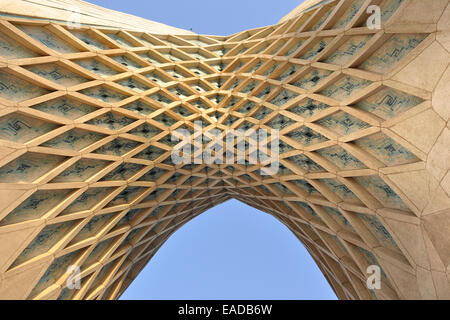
36, 206
15, 89
386, 150
343, 123
21, 128
65, 107
75, 139
57, 74
44, 241
382, 192
81, 171
389, 103
306, 136
29, 167
341, 158
392, 52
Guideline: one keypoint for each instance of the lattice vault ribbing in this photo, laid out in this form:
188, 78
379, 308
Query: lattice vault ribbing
86, 117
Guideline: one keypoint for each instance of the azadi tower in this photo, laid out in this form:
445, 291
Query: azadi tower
89, 102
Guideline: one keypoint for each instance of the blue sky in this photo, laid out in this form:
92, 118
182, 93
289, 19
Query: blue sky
232, 251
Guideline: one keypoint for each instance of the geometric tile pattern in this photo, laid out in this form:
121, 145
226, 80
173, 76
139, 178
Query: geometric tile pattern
86, 117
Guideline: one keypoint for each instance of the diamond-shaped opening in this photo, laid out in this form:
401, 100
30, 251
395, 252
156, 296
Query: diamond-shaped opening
348, 50
174, 178
217, 82
281, 187
306, 163
146, 130
271, 69
98, 253
151, 153
294, 47
91, 39
156, 77
174, 56
377, 229
221, 51
306, 136
309, 211
151, 57
177, 73
289, 72
123, 172
308, 108
283, 97
283, 147
232, 102
311, 79
343, 123
280, 122
15, 89
219, 65
246, 107
250, 87
179, 92
306, 186
382, 192
386, 150
111, 121
118, 147
104, 94
86, 201
11, 49
388, 103
133, 84
255, 66
316, 48
155, 195
57, 73
119, 39
127, 196
349, 14
262, 113
21, 128
165, 120
161, 98
371, 260
47, 38
345, 87
45, 241
230, 120
341, 158
153, 175
36, 206
392, 51
199, 87
81, 171
29, 167
234, 84
65, 107
217, 99
341, 190
102, 276
339, 218
96, 225
127, 62
199, 71
182, 111
54, 272
129, 218
263, 93
323, 18
96, 66
140, 107
75, 139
